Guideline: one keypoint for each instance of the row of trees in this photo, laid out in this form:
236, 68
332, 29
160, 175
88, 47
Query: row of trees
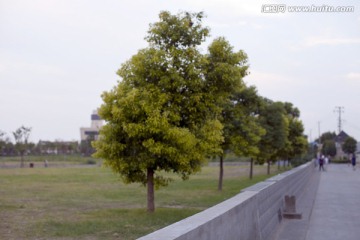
328, 140
176, 106
23, 146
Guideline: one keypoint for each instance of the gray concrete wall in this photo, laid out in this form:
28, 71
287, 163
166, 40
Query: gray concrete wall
253, 214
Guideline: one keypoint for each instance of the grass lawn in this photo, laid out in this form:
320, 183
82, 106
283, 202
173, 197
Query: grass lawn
91, 202
53, 160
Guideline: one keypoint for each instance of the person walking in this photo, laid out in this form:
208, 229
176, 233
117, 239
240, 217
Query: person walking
353, 161
321, 163
326, 162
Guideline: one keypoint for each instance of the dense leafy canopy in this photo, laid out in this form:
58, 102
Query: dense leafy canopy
225, 70
350, 145
174, 106
328, 148
273, 120
296, 143
161, 116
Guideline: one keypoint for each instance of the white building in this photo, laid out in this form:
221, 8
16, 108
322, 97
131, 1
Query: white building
92, 132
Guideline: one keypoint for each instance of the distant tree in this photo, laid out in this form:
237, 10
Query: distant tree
349, 146
296, 143
72, 147
329, 148
46, 147
86, 147
242, 131
244, 128
31, 148
162, 116
327, 136
2, 142
273, 119
314, 150
21, 136
9, 149
6, 146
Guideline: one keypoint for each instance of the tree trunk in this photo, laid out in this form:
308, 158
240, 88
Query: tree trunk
251, 168
268, 167
150, 190
221, 174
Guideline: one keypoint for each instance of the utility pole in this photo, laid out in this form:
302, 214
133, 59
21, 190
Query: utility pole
339, 110
319, 132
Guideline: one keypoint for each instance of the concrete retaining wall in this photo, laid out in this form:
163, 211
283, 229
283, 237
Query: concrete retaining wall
253, 214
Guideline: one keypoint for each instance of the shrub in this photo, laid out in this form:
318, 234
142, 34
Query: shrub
91, 161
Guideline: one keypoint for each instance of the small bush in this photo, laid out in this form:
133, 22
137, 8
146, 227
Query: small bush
91, 161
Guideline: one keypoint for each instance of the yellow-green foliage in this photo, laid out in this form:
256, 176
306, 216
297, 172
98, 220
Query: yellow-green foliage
161, 115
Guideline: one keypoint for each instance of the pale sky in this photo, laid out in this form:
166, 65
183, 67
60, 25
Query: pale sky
58, 56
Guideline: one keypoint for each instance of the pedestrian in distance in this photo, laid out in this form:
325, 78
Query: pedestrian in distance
326, 162
321, 163
353, 161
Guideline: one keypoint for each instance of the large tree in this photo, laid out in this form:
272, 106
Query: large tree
224, 72
349, 146
162, 116
21, 136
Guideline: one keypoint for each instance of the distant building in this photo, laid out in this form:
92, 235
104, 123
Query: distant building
92, 132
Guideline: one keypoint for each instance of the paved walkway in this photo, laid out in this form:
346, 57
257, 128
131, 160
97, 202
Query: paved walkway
330, 207
336, 212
